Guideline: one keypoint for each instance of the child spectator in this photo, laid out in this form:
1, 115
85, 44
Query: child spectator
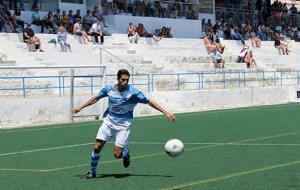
217, 60
62, 39
249, 59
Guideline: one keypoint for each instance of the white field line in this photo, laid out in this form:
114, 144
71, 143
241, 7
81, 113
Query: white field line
149, 143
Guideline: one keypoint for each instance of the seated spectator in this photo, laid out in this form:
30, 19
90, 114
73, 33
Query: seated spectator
64, 19
78, 30
36, 19
17, 15
62, 39
220, 47
190, 13
30, 38
280, 46
96, 30
88, 20
238, 36
249, 59
166, 32
2, 20
255, 41
140, 29
208, 43
217, 60
8, 18
50, 23
243, 54
57, 17
132, 34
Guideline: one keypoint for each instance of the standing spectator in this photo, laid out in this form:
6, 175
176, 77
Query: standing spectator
217, 60
62, 39
96, 30
64, 19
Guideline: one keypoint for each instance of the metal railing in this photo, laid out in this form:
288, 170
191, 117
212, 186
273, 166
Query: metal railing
89, 84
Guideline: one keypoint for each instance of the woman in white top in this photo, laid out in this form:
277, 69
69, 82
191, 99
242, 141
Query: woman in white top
77, 30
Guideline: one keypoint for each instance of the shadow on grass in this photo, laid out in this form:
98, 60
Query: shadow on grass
124, 175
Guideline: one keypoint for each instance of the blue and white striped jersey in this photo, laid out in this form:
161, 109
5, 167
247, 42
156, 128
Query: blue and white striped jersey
121, 104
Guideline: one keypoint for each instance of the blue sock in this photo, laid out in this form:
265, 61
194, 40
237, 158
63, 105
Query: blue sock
125, 152
95, 157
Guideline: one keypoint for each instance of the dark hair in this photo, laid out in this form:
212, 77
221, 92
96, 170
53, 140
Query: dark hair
122, 72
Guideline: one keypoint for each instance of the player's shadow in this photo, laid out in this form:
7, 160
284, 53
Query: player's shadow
129, 175
124, 175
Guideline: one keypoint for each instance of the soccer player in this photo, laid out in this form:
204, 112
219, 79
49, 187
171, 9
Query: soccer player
118, 118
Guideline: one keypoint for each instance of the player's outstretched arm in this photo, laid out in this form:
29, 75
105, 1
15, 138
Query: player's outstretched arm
91, 101
168, 115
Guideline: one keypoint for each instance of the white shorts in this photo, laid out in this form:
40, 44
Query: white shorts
107, 132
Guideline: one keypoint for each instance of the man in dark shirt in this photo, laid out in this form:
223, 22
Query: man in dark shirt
30, 38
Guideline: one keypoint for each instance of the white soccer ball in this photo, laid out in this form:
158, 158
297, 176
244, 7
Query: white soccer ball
174, 147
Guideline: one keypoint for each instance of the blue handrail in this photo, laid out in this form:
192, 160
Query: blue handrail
194, 81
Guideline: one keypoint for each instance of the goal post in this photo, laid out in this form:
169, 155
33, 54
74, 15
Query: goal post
74, 76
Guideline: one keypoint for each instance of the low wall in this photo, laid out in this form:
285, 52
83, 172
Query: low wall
28, 112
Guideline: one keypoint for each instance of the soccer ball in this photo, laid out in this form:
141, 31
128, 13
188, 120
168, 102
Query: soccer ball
174, 147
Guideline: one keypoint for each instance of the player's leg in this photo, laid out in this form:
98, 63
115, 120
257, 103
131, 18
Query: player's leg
104, 134
120, 150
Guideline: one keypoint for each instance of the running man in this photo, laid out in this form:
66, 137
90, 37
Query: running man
118, 118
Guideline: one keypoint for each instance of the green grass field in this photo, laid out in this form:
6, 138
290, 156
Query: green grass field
255, 148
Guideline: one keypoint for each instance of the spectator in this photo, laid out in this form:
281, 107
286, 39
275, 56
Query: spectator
243, 53
77, 15
62, 39
57, 17
293, 13
64, 19
50, 23
88, 20
255, 41
2, 18
96, 31
36, 19
132, 34
217, 60
281, 47
208, 43
141, 31
77, 30
9, 19
30, 38
190, 13
249, 59
17, 15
